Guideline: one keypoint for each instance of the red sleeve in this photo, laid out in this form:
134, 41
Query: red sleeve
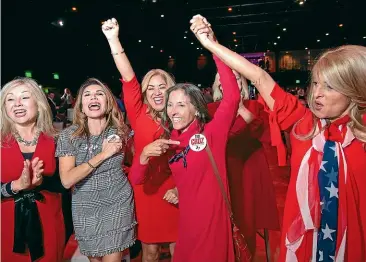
287, 110
133, 99
228, 108
137, 172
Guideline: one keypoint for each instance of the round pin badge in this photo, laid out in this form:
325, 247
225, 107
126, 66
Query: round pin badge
197, 142
113, 138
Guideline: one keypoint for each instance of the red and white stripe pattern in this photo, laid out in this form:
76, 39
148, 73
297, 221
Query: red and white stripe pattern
307, 194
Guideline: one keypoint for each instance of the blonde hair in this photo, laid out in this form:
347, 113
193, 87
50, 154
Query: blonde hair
169, 80
344, 69
114, 116
44, 121
217, 93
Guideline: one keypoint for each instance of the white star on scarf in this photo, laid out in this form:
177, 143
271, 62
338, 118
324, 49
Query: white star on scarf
332, 257
322, 166
334, 148
333, 191
321, 258
328, 232
332, 176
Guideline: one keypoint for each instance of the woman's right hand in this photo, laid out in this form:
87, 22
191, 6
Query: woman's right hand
111, 148
156, 148
24, 181
110, 29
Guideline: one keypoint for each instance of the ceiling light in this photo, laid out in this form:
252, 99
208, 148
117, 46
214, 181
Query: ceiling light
235, 40
234, 33
139, 41
170, 56
162, 16
191, 43
364, 37
340, 25
301, 3
318, 40
161, 50
185, 37
306, 48
61, 23
326, 33
74, 9
278, 37
236, 45
152, 46
284, 29
230, 9
275, 43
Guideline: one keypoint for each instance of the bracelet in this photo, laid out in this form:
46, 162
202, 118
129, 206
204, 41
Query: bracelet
118, 52
91, 166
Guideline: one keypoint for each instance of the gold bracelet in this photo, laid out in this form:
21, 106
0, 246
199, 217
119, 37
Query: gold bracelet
118, 52
91, 166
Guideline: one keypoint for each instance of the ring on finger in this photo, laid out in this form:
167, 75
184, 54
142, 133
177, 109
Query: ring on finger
38, 175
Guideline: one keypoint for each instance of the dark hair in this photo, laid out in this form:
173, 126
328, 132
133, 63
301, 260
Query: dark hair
197, 100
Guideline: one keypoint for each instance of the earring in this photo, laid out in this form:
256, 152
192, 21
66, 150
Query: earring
197, 114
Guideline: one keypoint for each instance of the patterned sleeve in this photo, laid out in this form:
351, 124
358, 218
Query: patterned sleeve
64, 144
6, 191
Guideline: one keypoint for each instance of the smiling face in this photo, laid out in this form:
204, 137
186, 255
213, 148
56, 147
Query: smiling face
21, 106
155, 92
94, 102
327, 102
180, 110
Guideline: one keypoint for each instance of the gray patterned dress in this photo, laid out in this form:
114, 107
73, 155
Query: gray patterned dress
102, 203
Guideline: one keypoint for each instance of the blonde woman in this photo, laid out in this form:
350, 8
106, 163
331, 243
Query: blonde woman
157, 218
32, 225
325, 210
90, 156
251, 187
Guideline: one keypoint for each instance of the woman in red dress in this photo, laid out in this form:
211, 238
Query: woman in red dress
32, 225
325, 210
157, 219
204, 232
251, 187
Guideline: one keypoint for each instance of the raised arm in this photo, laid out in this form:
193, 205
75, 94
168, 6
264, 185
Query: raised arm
263, 81
110, 29
131, 87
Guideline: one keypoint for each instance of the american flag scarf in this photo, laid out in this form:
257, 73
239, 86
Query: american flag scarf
321, 195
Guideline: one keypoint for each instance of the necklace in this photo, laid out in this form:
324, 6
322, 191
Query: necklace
33, 142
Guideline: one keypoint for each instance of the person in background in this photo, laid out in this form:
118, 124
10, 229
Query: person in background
91, 156
252, 193
67, 98
325, 210
157, 219
52, 104
32, 224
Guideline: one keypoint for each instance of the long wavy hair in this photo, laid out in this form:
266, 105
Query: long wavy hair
114, 117
344, 69
44, 121
169, 80
217, 93
197, 100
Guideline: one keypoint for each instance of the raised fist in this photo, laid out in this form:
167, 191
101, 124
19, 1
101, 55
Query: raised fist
110, 28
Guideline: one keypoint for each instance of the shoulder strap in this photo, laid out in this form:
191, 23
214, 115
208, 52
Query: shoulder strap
219, 180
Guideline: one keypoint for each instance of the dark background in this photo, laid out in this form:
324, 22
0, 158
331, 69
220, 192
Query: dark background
33, 40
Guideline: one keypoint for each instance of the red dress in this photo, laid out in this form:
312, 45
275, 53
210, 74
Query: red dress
204, 233
50, 210
157, 219
286, 112
251, 187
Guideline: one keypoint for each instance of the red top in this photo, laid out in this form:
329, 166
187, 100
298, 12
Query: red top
251, 187
204, 226
157, 219
50, 210
286, 112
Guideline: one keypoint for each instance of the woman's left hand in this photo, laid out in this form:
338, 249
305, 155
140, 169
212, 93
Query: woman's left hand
37, 168
172, 196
